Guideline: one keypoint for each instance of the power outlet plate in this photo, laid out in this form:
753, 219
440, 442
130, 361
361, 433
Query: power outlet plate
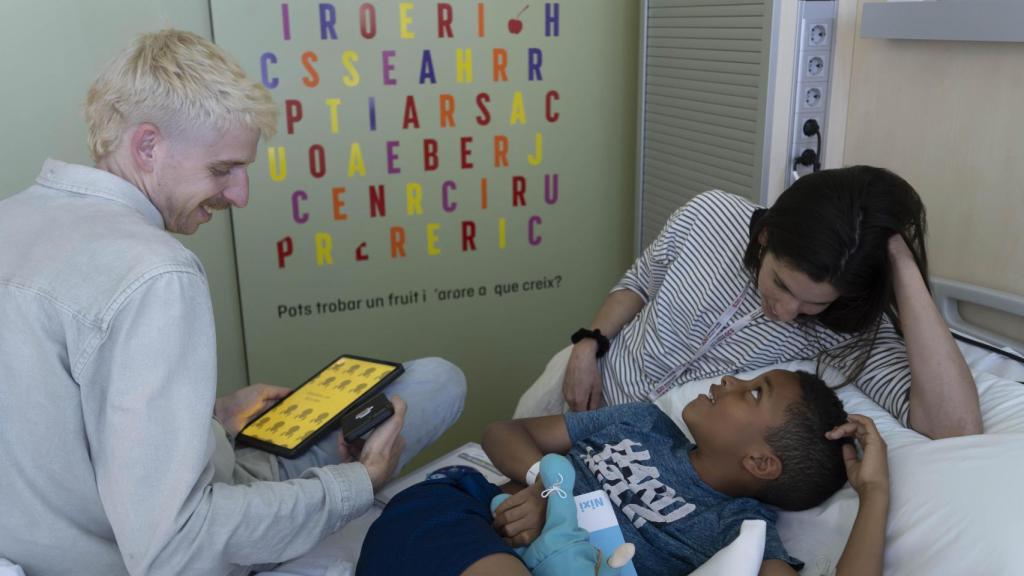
815, 46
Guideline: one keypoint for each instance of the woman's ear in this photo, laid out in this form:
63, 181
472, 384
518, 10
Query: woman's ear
762, 237
763, 464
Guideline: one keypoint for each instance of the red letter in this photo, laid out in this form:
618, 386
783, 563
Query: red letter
292, 114
444, 20
430, 161
466, 152
284, 250
367, 20
377, 205
518, 191
411, 116
548, 113
484, 118
317, 161
468, 235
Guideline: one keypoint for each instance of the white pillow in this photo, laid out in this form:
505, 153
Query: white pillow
955, 506
742, 557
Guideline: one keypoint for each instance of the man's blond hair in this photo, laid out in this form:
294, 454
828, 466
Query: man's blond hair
178, 81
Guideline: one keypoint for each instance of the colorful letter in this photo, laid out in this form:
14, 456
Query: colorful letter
317, 161
518, 115
324, 247
397, 242
432, 239
328, 17
338, 203
312, 79
414, 199
265, 60
392, 157
292, 114
445, 189
278, 172
405, 20
518, 191
538, 156
447, 111
348, 60
284, 250
464, 65
332, 105
298, 215
355, 161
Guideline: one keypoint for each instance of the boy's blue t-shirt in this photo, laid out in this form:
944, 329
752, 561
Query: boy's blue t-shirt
640, 458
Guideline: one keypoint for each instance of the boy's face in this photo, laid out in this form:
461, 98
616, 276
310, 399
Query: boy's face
734, 415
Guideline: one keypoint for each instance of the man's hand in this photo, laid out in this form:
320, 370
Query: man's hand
381, 451
520, 518
870, 474
235, 410
582, 387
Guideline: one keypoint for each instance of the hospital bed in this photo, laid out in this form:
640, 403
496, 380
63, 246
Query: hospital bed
956, 507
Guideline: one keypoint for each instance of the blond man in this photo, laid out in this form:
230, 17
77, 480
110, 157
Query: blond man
111, 462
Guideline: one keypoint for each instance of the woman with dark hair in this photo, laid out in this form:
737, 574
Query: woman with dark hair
835, 270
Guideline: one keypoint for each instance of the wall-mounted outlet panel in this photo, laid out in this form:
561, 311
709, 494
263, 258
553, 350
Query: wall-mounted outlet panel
811, 81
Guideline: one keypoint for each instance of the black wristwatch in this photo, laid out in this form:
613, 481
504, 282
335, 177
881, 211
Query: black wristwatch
603, 344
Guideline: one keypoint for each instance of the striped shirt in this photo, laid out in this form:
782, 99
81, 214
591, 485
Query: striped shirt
688, 277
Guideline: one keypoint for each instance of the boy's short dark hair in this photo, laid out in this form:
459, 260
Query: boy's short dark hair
812, 465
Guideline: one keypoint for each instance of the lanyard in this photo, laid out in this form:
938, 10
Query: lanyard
721, 331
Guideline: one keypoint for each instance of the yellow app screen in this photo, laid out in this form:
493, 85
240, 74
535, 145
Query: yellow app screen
317, 401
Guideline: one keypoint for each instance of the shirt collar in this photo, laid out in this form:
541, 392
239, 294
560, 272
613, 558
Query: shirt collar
95, 182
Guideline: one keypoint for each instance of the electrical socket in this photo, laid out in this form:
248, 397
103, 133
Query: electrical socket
814, 67
817, 34
812, 96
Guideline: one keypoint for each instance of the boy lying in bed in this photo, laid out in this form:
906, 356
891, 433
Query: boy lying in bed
780, 439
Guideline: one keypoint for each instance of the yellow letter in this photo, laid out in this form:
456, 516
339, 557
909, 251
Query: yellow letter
355, 160
432, 248
403, 13
464, 65
332, 104
536, 158
324, 245
277, 173
518, 110
501, 233
414, 199
348, 60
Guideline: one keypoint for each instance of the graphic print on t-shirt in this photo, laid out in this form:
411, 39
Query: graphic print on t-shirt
634, 487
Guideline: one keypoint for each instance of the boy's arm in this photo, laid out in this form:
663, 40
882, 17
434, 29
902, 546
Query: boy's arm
869, 476
513, 446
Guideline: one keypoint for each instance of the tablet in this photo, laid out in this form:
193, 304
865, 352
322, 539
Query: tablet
294, 423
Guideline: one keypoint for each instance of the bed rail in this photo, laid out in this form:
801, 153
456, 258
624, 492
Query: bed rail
948, 294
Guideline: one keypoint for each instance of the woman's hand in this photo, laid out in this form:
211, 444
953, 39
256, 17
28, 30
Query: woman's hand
899, 252
870, 474
582, 387
520, 518
237, 409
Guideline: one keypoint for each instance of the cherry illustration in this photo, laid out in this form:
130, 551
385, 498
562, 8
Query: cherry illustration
515, 25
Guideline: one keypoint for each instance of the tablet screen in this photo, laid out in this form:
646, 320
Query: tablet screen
317, 402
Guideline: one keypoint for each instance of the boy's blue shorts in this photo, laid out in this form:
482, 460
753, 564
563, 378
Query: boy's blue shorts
437, 527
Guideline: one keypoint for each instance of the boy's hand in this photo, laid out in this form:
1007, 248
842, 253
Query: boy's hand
521, 517
235, 410
870, 474
582, 387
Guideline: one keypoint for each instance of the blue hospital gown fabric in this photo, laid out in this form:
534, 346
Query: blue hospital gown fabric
637, 455
688, 276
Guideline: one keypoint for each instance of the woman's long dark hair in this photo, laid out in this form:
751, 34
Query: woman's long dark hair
834, 226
